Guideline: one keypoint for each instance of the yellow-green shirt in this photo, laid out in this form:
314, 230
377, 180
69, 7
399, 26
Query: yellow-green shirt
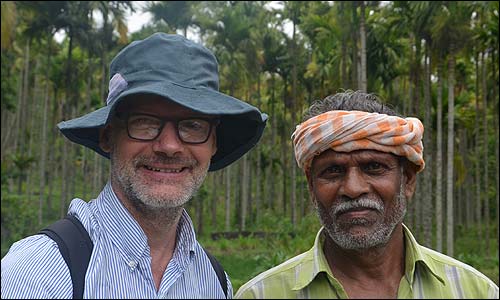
428, 274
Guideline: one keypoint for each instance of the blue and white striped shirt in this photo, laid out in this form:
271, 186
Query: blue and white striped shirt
120, 264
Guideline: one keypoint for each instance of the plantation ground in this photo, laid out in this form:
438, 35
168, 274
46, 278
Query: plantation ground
245, 257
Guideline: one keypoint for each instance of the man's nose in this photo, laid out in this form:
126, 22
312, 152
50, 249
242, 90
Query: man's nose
354, 184
168, 141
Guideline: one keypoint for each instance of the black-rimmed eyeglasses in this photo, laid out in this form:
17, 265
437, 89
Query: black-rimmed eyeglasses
144, 127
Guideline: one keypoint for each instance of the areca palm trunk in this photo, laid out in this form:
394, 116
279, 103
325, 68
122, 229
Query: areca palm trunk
293, 194
477, 176
258, 179
354, 49
450, 156
362, 37
33, 109
64, 183
439, 161
43, 150
244, 192
495, 113
485, 154
271, 197
227, 173
427, 201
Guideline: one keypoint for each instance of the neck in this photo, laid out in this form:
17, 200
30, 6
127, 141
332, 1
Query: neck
378, 270
160, 227
158, 223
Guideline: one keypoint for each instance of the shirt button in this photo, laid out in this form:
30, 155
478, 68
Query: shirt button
132, 264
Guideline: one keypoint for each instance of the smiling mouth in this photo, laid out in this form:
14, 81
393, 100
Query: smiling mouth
165, 170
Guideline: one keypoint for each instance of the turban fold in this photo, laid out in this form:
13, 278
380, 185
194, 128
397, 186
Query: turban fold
346, 131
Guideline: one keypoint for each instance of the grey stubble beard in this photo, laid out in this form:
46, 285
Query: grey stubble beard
379, 235
142, 199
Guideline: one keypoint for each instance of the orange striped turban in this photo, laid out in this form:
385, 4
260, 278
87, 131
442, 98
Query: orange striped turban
346, 131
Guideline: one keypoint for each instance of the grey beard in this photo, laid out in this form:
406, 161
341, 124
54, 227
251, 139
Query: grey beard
138, 193
379, 235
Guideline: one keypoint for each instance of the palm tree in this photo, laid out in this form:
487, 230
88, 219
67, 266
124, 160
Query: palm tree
386, 53
273, 52
231, 41
486, 35
293, 11
424, 14
179, 15
451, 31
362, 38
9, 19
325, 34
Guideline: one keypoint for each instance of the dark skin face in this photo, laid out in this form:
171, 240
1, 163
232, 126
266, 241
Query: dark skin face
361, 199
371, 178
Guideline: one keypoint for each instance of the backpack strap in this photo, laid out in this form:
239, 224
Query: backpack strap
218, 270
75, 246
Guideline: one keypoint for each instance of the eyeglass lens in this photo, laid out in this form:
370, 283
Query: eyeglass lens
145, 127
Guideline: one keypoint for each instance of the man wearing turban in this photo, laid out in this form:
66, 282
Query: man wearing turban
361, 161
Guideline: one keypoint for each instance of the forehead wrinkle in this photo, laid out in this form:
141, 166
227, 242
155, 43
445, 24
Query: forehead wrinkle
354, 156
357, 153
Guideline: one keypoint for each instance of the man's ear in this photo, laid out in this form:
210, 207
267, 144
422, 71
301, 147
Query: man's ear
105, 138
309, 178
310, 185
410, 170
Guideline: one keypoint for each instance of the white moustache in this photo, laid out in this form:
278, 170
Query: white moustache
358, 203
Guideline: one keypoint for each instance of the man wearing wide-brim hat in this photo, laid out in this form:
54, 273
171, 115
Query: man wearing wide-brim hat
164, 126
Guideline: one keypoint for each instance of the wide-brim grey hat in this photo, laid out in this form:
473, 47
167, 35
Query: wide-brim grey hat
181, 71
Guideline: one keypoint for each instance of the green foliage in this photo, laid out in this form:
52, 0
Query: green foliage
5, 173
487, 265
257, 55
21, 163
9, 81
267, 261
19, 219
470, 249
246, 257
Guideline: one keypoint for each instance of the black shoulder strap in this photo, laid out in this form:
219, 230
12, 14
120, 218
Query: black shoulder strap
75, 246
219, 271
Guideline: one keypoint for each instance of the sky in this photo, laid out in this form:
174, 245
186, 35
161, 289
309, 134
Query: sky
136, 20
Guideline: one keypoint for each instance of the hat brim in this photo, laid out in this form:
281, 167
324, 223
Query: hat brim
241, 125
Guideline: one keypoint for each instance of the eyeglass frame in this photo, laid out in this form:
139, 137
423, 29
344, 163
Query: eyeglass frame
125, 117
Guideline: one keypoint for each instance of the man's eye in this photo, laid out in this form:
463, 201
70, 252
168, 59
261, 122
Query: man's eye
373, 167
333, 170
194, 125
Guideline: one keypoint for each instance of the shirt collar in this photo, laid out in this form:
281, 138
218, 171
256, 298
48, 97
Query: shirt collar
414, 255
316, 257
129, 238
186, 240
315, 260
